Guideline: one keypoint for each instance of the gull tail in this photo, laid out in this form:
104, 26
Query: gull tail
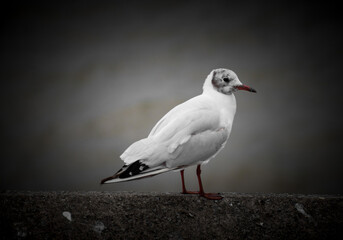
133, 171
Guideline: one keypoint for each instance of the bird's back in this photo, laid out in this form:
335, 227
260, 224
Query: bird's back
191, 132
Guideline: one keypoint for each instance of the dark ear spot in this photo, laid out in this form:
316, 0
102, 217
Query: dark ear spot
214, 74
215, 82
213, 78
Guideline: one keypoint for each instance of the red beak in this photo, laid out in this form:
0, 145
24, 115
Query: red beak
246, 88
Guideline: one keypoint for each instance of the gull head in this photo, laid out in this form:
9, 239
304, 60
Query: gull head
225, 81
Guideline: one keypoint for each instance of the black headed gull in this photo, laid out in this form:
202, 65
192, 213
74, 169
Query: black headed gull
192, 133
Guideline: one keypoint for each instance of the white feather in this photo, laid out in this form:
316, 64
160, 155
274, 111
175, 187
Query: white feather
191, 133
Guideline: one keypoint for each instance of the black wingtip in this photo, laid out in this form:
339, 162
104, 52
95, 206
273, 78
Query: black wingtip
106, 179
133, 169
127, 171
115, 175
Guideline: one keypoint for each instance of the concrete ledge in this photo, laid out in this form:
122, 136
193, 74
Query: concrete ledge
125, 215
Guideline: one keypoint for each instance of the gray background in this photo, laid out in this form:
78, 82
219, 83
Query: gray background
82, 81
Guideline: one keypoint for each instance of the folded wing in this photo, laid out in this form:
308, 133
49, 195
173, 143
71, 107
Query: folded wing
186, 135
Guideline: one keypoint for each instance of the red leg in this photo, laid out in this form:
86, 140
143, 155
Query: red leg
184, 191
212, 196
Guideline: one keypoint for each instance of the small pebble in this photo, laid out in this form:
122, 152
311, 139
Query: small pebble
98, 227
67, 215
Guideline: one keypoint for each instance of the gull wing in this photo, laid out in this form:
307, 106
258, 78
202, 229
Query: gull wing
189, 133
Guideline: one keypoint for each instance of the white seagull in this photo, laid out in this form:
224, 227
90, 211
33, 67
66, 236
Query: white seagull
192, 133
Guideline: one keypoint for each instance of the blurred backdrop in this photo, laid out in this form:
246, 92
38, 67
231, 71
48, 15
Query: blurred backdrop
82, 81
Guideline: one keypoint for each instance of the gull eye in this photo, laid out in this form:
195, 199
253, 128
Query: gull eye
226, 80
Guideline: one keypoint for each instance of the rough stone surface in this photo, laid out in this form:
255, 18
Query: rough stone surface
126, 215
